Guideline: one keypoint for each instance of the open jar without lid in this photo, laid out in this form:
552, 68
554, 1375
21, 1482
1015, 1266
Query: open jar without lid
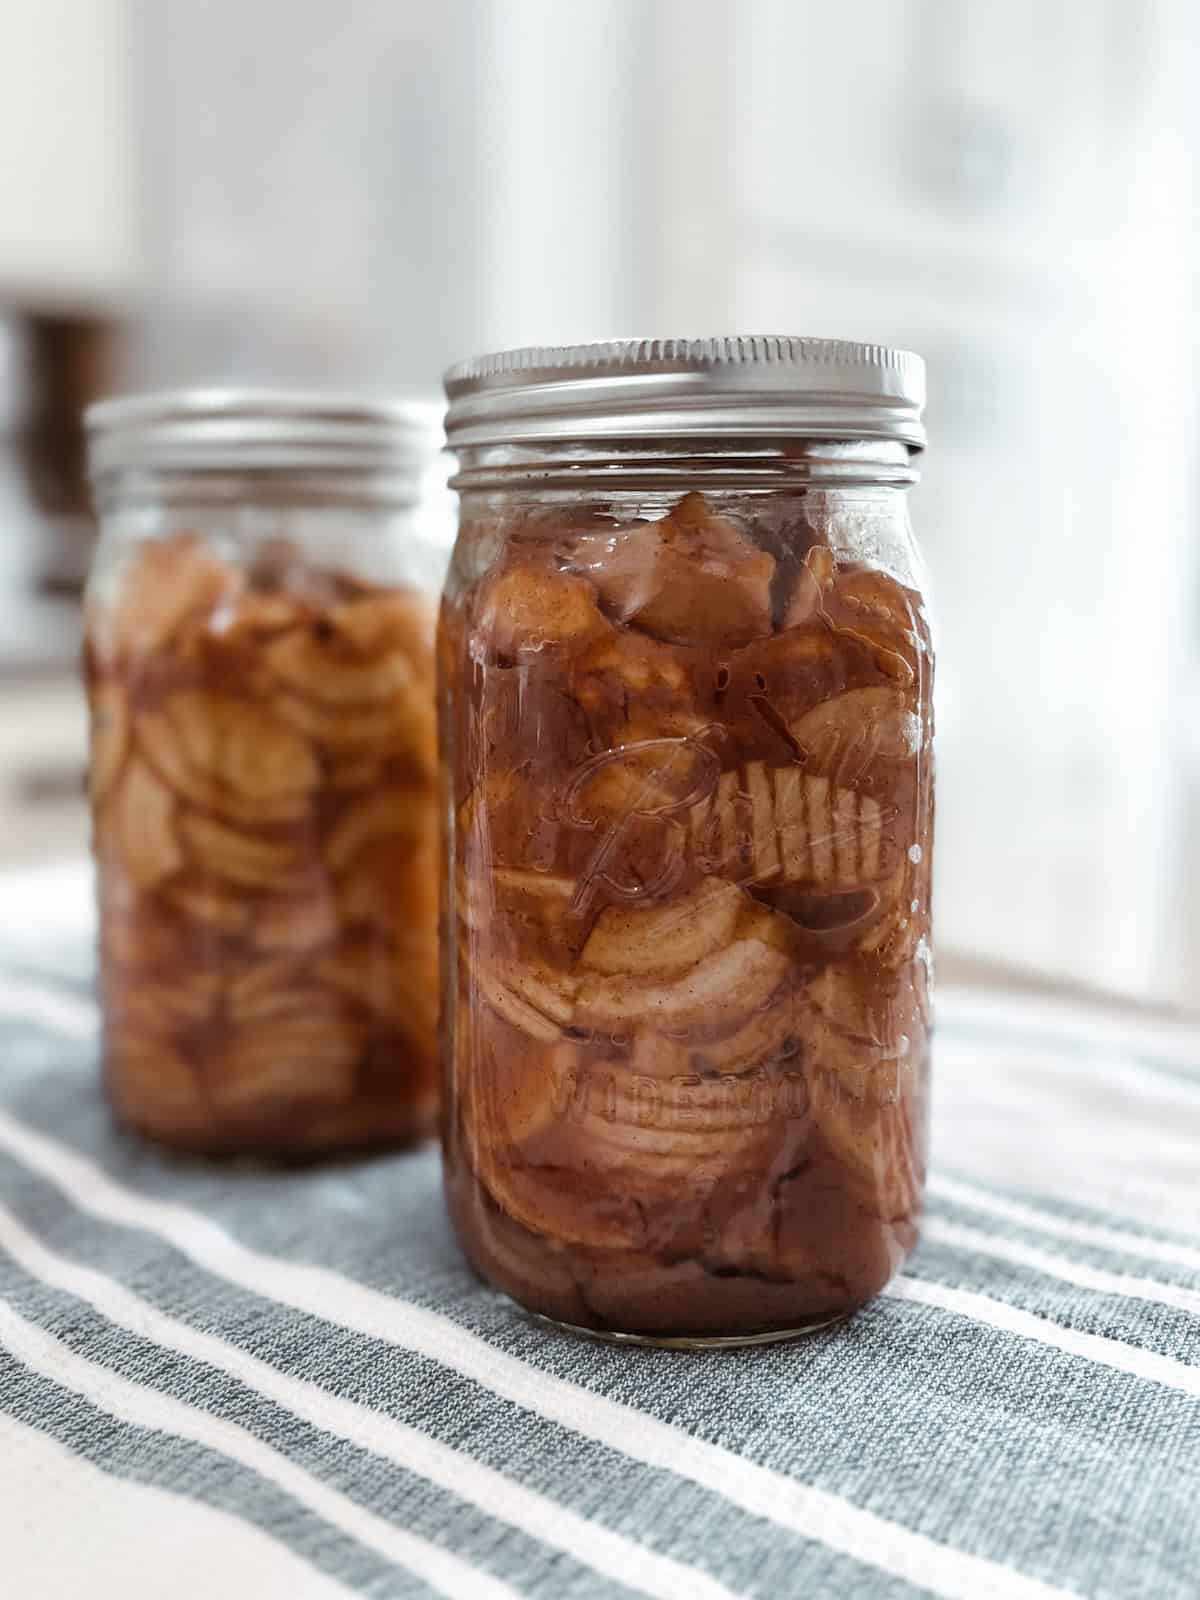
685, 689
259, 666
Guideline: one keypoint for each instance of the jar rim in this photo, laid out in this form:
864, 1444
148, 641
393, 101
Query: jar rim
260, 430
769, 386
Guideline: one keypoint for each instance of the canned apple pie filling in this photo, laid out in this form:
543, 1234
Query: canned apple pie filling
685, 679
260, 671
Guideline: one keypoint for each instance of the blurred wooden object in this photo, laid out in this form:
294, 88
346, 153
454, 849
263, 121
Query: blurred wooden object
73, 360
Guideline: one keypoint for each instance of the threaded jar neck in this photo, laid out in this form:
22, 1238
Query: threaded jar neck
749, 465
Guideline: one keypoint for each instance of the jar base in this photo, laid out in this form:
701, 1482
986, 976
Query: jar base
690, 1341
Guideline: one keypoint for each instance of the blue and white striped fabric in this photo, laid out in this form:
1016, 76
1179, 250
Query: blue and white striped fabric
223, 1381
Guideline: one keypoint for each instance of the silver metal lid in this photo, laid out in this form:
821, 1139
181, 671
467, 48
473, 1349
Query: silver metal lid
259, 430
768, 386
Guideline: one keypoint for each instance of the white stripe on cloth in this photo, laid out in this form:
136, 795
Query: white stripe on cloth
82, 1531
1170, 1042
1114, 1071
761, 1491
1170, 1252
995, 1313
1029, 1119
939, 1230
58, 1009
130, 1402
616, 1557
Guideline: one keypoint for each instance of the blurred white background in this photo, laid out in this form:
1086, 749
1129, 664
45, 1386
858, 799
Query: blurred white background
288, 190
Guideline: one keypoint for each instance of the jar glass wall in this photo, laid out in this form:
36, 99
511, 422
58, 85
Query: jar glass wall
259, 665
686, 710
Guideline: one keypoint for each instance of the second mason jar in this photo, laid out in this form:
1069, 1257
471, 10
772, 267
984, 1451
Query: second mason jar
259, 660
686, 683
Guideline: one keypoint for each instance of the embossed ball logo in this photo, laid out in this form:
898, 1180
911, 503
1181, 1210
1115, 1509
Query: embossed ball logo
652, 785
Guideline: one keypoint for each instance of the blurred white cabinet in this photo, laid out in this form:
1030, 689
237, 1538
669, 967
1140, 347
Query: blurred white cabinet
69, 230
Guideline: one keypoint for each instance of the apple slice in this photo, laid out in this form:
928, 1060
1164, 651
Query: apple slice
731, 983
667, 938
693, 577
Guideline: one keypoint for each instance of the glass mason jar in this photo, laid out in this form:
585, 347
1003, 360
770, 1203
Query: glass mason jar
685, 694
259, 662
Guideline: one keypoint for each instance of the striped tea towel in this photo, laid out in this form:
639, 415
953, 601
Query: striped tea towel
236, 1382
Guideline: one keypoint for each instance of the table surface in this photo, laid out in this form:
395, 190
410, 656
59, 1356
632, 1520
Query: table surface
232, 1381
